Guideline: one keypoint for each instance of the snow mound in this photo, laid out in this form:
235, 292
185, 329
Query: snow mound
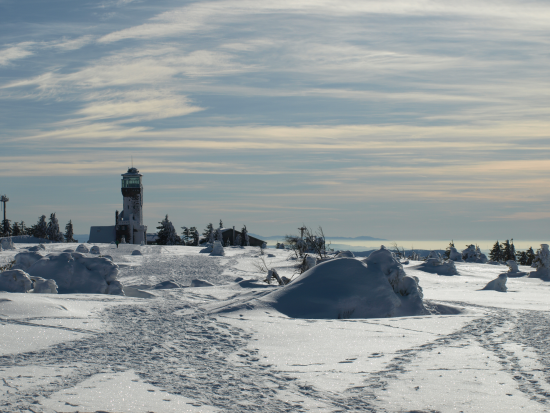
25, 260
454, 255
94, 250
165, 285
15, 281
136, 252
348, 288
76, 273
39, 247
498, 284
108, 257
82, 249
68, 250
201, 283
473, 254
7, 244
217, 249
541, 263
43, 286
345, 254
437, 266
434, 255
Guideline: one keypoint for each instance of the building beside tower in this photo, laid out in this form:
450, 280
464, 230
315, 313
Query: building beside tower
128, 226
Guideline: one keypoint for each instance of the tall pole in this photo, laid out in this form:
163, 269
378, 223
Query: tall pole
4, 199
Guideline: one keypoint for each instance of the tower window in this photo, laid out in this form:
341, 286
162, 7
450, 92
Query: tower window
130, 183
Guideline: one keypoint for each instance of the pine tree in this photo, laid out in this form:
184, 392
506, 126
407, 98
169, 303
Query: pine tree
16, 230
245, 242
6, 229
167, 234
23, 228
209, 230
52, 231
448, 249
521, 257
221, 224
185, 235
508, 251
39, 230
195, 234
530, 256
69, 235
495, 254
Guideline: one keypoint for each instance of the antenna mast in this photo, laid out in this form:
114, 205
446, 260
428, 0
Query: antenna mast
4, 199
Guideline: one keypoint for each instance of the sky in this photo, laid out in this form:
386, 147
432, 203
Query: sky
398, 119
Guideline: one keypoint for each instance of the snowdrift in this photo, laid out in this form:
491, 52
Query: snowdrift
348, 288
437, 266
15, 281
76, 273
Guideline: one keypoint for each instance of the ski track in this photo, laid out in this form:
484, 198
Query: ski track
193, 355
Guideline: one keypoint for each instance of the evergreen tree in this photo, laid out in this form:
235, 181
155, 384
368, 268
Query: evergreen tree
6, 230
530, 256
208, 231
185, 235
521, 257
52, 230
245, 242
16, 230
221, 224
495, 254
39, 230
69, 234
448, 249
23, 228
167, 234
512, 250
195, 234
507, 252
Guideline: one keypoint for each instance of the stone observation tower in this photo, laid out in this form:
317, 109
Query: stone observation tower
129, 223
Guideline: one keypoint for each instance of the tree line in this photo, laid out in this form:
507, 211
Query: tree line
167, 235
507, 252
42, 229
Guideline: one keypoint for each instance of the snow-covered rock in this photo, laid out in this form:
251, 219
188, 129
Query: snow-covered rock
7, 244
498, 284
455, 255
437, 266
201, 283
25, 260
473, 254
541, 263
15, 281
76, 273
434, 255
39, 247
165, 285
108, 257
136, 252
345, 254
82, 249
43, 286
217, 249
349, 288
68, 250
95, 250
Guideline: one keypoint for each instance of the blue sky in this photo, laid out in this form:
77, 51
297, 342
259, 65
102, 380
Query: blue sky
395, 119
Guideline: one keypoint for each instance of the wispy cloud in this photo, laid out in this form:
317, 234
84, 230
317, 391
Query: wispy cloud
15, 52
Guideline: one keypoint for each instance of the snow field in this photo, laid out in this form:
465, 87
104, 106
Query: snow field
213, 348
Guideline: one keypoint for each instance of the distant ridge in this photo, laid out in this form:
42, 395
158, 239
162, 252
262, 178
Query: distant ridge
361, 238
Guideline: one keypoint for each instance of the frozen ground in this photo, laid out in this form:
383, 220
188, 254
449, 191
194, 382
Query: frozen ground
209, 349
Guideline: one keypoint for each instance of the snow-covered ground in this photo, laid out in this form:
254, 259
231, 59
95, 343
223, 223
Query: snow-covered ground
224, 348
